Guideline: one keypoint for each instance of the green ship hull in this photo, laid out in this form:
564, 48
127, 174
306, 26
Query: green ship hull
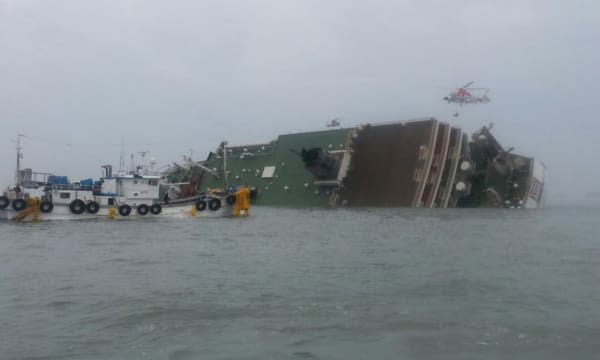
420, 163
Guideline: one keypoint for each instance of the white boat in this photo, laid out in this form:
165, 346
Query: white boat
128, 194
116, 197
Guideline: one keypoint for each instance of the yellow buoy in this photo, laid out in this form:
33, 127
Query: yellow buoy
242, 202
33, 208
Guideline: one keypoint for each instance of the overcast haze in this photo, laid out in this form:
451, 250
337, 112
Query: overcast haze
170, 76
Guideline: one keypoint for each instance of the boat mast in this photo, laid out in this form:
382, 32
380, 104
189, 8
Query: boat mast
225, 164
122, 157
19, 157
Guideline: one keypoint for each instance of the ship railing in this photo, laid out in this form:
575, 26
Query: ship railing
74, 187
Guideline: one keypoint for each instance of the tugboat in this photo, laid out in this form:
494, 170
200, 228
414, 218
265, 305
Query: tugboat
115, 197
127, 194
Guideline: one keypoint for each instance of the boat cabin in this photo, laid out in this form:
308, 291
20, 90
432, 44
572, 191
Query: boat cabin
131, 187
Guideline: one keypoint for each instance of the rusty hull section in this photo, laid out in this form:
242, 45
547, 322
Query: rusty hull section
390, 164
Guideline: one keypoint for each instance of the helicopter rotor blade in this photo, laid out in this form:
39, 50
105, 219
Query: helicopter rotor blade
467, 85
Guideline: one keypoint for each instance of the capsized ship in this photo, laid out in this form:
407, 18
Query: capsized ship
417, 163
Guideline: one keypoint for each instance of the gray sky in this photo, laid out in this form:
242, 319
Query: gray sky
167, 76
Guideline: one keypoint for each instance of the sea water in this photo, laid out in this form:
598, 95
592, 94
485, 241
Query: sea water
305, 284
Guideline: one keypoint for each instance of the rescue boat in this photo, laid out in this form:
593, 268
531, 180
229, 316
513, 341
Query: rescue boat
126, 195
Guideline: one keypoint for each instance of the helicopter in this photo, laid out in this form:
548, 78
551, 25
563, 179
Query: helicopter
463, 95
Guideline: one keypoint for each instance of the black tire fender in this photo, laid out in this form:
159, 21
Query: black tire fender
230, 199
19, 204
77, 206
201, 205
124, 210
142, 209
4, 202
214, 204
92, 207
155, 209
46, 206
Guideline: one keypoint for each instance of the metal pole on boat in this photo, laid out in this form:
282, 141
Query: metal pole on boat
19, 157
225, 164
122, 158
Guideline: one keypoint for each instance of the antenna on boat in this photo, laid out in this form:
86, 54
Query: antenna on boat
225, 164
143, 155
19, 157
122, 158
153, 164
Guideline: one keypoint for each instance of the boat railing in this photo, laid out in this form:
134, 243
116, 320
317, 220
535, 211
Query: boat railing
74, 187
64, 187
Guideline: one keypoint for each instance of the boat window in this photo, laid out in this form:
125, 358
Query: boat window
65, 195
268, 171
